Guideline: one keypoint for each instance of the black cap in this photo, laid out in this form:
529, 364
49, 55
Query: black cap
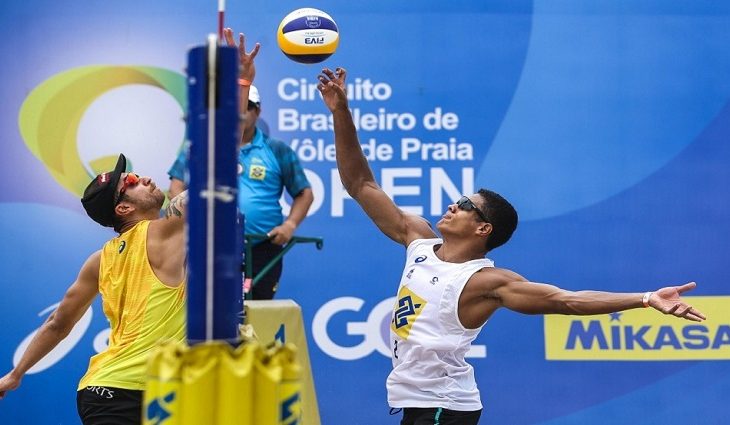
100, 194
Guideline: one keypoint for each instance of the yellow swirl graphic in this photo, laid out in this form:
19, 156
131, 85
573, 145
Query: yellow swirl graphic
50, 116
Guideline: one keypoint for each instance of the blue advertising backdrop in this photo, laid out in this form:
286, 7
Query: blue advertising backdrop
606, 123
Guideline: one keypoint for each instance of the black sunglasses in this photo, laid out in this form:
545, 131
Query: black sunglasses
467, 205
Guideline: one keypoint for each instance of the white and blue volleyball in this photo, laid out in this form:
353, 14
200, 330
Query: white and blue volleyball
308, 35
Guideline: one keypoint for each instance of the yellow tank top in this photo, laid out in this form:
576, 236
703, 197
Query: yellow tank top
142, 312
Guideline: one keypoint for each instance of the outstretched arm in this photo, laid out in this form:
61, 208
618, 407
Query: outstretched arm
355, 173
247, 69
539, 298
75, 302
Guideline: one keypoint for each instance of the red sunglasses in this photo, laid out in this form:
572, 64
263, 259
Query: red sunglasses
129, 180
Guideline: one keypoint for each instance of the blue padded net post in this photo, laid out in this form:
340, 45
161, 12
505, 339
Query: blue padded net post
215, 299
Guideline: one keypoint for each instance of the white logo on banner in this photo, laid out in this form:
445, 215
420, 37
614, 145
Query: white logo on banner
370, 330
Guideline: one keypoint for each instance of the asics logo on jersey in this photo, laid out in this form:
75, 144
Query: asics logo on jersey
421, 259
122, 245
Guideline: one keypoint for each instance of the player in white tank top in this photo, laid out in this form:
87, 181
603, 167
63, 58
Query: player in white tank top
449, 290
426, 306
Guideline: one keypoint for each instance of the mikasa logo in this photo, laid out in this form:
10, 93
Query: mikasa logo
641, 335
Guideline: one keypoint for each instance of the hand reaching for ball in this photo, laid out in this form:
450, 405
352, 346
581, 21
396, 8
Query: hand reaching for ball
333, 89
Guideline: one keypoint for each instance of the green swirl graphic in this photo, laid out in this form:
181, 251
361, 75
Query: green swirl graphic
50, 116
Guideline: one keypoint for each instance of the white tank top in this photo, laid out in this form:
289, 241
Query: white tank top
427, 341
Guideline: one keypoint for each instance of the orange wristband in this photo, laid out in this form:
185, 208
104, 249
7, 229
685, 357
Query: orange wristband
243, 82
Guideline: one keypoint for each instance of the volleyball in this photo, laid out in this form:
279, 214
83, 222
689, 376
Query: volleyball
308, 35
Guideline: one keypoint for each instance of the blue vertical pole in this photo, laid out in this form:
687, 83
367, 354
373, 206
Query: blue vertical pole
215, 299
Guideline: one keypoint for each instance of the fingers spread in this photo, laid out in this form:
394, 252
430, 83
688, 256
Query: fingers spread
228, 35
241, 43
694, 314
683, 310
687, 312
255, 50
671, 310
686, 287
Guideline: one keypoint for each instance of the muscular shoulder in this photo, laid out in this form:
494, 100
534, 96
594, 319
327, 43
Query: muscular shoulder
94, 260
417, 227
490, 279
90, 270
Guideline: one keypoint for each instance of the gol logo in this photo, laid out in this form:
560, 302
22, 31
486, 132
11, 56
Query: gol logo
374, 330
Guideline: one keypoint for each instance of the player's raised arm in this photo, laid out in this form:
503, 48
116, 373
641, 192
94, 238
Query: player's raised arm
355, 173
247, 68
177, 207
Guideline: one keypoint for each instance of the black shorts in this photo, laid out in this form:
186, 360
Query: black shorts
107, 406
439, 416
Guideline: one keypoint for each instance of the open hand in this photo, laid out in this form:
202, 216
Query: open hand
668, 301
248, 69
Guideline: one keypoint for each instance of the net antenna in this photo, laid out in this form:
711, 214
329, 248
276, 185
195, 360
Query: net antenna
221, 18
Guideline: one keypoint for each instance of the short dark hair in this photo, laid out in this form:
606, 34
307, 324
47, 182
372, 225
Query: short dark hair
501, 214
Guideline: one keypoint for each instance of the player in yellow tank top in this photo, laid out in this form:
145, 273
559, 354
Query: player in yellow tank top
142, 312
140, 275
